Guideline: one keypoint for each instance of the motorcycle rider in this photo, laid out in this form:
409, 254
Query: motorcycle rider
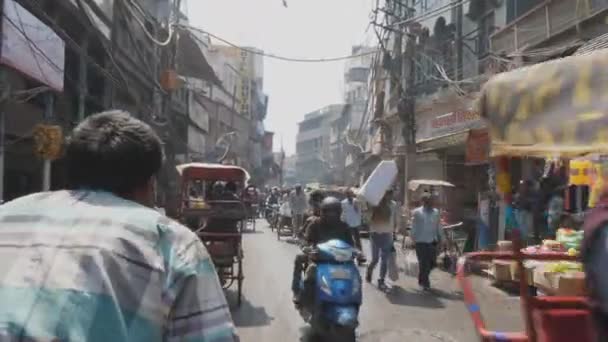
328, 226
314, 204
273, 199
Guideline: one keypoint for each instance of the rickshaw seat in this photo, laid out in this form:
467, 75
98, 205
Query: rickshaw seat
559, 302
558, 319
563, 325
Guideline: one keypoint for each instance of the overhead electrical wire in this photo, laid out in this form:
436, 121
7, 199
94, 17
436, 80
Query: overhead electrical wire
170, 28
273, 56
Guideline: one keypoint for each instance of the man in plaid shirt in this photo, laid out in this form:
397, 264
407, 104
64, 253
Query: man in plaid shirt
97, 263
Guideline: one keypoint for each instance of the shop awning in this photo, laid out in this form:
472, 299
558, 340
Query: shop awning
191, 60
557, 108
597, 43
449, 140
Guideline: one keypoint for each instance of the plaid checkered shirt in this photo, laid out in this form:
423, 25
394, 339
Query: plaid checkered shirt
90, 266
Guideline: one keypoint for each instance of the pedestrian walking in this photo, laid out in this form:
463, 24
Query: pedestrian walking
298, 204
426, 234
382, 228
352, 216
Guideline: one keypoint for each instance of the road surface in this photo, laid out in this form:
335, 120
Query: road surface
402, 314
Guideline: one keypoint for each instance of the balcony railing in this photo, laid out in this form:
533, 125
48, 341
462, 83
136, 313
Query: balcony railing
543, 22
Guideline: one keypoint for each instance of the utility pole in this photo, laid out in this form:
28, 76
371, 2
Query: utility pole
47, 163
82, 79
459, 40
3, 98
407, 109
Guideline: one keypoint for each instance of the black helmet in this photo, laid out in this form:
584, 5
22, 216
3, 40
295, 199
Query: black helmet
331, 204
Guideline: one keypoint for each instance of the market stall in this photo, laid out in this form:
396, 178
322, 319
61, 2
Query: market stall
550, 110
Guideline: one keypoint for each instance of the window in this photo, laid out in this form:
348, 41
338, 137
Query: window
517, 8
311, 124
357, 75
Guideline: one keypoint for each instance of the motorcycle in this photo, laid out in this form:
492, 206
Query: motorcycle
333, 306
272, 215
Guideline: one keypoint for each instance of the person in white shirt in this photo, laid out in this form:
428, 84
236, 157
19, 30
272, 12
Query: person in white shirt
382, 227
427, 234
285, 213
352, 216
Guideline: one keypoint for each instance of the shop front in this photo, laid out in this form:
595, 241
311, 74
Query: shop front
459, 141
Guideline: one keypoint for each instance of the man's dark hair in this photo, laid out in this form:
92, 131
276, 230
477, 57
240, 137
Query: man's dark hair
113, 151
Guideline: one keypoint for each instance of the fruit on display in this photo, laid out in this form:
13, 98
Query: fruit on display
573, 252
564, 266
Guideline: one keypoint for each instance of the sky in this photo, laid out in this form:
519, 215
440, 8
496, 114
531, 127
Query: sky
305, 29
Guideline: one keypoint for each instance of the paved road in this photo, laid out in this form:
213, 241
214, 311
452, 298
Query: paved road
403, 314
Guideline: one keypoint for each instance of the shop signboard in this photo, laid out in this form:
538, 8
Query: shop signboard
447, 124
245, 84
31, 47
478, 147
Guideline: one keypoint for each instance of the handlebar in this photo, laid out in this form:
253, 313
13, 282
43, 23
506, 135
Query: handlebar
453, 226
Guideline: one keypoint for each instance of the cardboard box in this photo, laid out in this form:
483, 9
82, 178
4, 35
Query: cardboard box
502, 270
529, 273
561, 284
505, 246
571, 284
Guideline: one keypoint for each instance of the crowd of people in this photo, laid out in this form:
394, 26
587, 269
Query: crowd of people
129, 273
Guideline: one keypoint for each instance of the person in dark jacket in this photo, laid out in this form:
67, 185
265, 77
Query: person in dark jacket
328, 226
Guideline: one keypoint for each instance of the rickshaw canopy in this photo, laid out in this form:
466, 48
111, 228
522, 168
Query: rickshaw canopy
414, 184
214, 172
553, 109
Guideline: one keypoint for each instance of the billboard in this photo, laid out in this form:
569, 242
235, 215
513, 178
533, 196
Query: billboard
31, 47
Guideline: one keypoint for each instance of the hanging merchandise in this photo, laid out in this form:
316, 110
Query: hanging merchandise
503, 178
580, 172
600, 176
48, 141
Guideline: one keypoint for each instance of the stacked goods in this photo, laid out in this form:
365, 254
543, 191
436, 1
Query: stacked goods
561, 279
570, 238
505, 246
552, 246
502, 270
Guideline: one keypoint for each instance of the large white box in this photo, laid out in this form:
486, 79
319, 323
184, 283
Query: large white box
379, 182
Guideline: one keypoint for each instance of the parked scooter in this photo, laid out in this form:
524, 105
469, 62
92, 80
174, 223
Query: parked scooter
332, 305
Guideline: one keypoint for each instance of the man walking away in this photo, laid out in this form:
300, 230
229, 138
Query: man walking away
351, 215
426, 233
382, 227
297, 202
97, 263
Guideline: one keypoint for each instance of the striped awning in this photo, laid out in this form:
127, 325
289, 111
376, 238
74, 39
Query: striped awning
597, 43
